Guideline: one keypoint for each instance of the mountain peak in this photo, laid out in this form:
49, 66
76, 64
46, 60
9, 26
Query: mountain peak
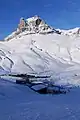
36, 25
34, 18
31, 25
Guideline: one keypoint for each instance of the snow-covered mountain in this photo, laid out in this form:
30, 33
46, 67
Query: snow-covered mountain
31, 26
37, 48
71, 32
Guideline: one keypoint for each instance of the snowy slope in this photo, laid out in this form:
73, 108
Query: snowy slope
20, 102
52, 54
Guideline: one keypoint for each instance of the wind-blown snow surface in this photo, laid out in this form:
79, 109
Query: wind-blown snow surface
50, 54
20, 102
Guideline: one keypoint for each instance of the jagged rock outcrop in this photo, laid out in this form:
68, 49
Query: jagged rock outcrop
32, 25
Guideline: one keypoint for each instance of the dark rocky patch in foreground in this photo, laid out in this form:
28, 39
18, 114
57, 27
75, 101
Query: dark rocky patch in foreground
41, 87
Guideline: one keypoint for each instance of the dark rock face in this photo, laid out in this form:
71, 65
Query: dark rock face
22, 24
38, 21
46, 90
